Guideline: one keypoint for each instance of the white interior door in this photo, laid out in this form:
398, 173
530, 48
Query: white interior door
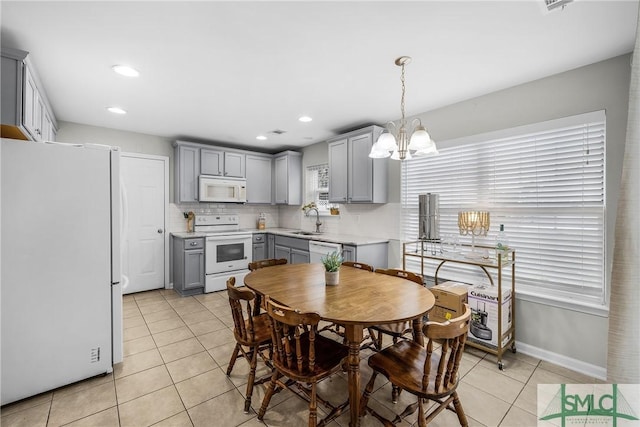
145, 180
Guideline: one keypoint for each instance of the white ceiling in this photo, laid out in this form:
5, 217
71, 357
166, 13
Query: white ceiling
228, 71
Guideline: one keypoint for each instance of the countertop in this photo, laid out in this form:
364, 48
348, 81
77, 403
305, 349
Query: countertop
345, 239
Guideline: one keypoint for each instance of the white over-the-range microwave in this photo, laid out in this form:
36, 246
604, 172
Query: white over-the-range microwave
222, 190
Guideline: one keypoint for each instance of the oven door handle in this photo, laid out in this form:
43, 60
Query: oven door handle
229, 237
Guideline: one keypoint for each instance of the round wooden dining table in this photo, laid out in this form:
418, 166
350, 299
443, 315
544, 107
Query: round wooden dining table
360, 299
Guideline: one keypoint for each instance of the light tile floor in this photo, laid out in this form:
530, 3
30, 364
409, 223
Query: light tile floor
176, 353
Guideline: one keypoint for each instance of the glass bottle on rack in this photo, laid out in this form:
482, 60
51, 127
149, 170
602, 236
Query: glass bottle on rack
502, 244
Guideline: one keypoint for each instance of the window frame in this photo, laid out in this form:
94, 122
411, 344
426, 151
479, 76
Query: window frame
566, 298
313, 190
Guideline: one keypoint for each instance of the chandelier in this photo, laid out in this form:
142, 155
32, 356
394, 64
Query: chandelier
400, 147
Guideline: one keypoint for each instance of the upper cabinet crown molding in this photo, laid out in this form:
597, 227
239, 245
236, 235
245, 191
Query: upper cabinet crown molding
354, 177
26, 112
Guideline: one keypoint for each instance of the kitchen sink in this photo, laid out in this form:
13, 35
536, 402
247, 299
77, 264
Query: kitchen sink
306, 233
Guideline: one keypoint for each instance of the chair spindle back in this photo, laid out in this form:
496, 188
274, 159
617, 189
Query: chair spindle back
401, 273
453, 336
360, 265
270, 262
241, 302
293, 336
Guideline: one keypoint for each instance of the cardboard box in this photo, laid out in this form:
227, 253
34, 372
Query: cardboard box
450, 300
483, 302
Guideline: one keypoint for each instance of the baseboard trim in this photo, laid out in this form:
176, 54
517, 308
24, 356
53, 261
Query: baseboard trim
564, 361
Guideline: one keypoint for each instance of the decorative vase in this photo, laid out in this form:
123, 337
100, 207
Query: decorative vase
331, 277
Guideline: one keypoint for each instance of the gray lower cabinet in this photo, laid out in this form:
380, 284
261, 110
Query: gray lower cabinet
299, 256
295, 251
349, 253
376, 254
259, 247
188, 265
282, 252
271, 246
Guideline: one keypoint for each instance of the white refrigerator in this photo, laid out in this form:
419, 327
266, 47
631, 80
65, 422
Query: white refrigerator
60, 294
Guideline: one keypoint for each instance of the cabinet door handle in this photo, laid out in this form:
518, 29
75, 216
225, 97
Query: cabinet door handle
160, 230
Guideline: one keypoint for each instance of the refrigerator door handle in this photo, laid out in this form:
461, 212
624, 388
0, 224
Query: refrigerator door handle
116, 271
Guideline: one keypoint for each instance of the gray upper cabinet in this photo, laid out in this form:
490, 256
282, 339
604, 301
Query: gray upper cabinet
288, 178
354, 177
259, 178
267, 175
187, 170
211, 162
222, 163
234, 165
26, 113
338, 168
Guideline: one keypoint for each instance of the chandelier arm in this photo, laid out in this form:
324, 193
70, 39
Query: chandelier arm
392, 124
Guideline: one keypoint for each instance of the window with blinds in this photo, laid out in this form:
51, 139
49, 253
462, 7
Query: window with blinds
544, 182
317, 186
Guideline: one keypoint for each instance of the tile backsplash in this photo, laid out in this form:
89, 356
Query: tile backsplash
383, 221
361, 220
248, 214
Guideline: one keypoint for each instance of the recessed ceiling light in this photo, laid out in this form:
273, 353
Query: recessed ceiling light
116, 110
125, 70
305, 119
261, 137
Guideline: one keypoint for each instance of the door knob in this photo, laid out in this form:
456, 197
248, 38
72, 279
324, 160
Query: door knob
160, 230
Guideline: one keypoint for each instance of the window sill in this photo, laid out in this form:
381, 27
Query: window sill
581, 307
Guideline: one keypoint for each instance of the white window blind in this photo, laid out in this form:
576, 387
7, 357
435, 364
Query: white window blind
544, 182
317, 186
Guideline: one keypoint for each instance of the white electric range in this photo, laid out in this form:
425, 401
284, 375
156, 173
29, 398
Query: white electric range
227, 249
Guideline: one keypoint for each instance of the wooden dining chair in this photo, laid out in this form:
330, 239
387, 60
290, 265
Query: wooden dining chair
395, 330
250, 330
304, 356
269, 262
360, 265
262, 263
426, 373
334, 327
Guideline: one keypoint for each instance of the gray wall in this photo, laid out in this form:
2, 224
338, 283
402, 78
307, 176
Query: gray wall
129, 142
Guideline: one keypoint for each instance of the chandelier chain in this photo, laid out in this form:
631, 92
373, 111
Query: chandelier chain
402, 122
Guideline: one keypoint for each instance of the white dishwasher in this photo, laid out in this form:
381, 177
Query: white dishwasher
319, 249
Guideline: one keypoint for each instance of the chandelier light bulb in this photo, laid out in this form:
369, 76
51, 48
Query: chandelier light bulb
387, 141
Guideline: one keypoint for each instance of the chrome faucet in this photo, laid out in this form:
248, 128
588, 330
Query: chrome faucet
318, 223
